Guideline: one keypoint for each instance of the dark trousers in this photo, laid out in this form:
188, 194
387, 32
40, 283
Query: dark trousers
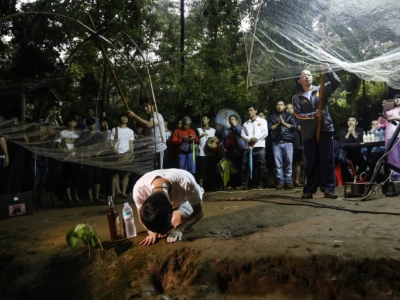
205, 169
357, 159
93, 175
319, 167
235, 155
71, 172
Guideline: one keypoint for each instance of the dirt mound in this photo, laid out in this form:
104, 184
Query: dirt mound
266, 246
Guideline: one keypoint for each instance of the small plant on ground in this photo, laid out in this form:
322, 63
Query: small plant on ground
86, 233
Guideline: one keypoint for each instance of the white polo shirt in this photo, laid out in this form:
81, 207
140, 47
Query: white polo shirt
257, 129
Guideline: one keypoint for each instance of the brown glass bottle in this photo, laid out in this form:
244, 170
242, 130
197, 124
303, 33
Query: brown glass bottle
113, 220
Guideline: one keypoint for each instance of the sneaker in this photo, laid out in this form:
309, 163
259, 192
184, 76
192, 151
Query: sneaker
99, 202
279, 186
289, 186
298, 185
330, 195
307, 196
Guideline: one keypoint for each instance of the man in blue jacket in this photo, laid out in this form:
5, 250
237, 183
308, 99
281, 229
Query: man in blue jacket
281, 126
233, 146
319, 166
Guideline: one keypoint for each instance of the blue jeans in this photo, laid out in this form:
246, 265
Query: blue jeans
186, 162
283, 154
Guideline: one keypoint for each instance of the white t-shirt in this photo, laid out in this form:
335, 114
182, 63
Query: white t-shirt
183, 187
69, 138
202, 148
124, 136
161, 144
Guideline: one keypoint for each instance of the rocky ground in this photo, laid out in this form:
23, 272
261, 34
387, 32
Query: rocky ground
259, 244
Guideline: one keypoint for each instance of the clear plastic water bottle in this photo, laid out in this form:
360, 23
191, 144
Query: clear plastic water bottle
370, 137
382, 133
130, 228
376, 136
365, 137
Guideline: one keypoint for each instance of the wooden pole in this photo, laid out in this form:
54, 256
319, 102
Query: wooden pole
322, 79
103, 50
320, 106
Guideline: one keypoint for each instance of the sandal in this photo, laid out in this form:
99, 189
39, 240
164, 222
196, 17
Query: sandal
77, 200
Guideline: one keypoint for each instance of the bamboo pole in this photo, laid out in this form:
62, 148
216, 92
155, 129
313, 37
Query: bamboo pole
322, 79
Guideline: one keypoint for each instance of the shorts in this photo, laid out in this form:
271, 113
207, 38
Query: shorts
125, 157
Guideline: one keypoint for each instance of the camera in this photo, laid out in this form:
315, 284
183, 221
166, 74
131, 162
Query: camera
388, 104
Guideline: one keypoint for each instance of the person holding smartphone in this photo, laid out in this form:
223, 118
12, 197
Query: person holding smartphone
184, 139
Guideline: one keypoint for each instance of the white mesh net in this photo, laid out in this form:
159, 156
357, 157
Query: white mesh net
87, 149
284, 36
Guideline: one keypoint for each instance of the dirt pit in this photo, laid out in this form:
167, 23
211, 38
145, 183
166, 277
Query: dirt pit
267, 245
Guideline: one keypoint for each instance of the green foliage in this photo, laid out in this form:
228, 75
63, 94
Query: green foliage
67, 56
86, 234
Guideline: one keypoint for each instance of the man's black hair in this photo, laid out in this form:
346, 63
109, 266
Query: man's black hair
146, 100
69, 119
124, 114
208, 115
352, 116
254, 106
156, 213
235, 116
90, 121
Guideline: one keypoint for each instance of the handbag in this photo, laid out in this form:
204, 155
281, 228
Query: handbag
231, 140
186, 147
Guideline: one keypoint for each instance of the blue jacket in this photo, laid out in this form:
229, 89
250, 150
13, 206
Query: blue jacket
281, 132
304, 108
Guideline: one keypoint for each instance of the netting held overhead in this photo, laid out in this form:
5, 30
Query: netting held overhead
285, 36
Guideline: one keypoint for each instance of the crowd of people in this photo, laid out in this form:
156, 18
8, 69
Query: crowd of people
292, 147
281, 150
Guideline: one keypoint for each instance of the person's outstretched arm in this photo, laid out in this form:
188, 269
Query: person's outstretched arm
177, 232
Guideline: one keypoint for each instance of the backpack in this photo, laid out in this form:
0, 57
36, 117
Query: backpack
231, 140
